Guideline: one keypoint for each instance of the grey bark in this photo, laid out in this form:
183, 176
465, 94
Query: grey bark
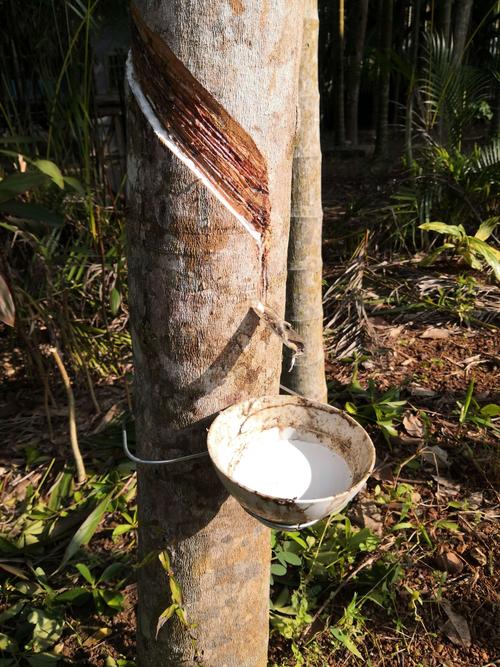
358, 16
461, 27
193, 275
304, 309
339, 87
384, 80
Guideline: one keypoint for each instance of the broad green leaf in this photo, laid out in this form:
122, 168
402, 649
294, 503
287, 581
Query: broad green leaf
164, 616
12, 611
121, 529
490, 410
85, 572
290, 557
351, 408
113, 599
449, 525
277, 569
84, 534
486, 228
52, 170
7, 308
75, 184
16, 184
457, 231
76, 595
29, 211
46, 630
111, 572
490, 255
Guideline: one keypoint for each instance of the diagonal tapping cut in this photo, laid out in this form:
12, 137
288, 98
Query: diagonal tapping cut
199, 131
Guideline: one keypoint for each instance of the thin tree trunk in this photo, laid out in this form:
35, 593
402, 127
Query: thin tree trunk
304, 309
443, 18
339, 90
355, 44
194, 274
461, 27
415, 39
384, 86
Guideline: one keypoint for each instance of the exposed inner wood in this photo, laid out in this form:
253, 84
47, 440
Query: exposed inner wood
217, 144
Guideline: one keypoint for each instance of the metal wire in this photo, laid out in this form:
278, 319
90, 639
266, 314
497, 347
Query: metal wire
136, 459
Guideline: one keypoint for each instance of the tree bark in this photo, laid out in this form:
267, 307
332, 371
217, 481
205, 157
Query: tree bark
461, 27
443, 19
194, 274
384, 85
339, 88
304, 308
355, 44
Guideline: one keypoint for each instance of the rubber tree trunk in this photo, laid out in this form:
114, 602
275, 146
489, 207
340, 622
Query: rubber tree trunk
384, 81
355, 44
209, 70
463, 10
304, 309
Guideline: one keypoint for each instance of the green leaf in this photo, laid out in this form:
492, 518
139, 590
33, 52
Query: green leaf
486, 228
457, 231
29, 211
277, 569
111, 572
346, 641
466, 404
7, 308
75, 184
164, 559
113, 599
85, 572
175, 590
7, 643
164, 616
76, 595
46, 631
12, 611
351, 408
490, 410
489, 254
121, 529
84, 534
448, 525
20, 182
52, 170
290, 557
115, 299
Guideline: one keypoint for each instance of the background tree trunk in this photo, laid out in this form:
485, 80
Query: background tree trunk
193, 275
443, 18
384, 85
463, 10
357, 20
339, 89
304, 309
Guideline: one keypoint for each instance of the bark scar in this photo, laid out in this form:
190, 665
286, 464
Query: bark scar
200, 132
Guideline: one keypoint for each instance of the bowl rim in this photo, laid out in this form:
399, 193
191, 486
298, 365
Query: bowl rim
301, 402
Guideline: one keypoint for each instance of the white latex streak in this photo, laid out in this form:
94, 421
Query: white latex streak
170, 142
